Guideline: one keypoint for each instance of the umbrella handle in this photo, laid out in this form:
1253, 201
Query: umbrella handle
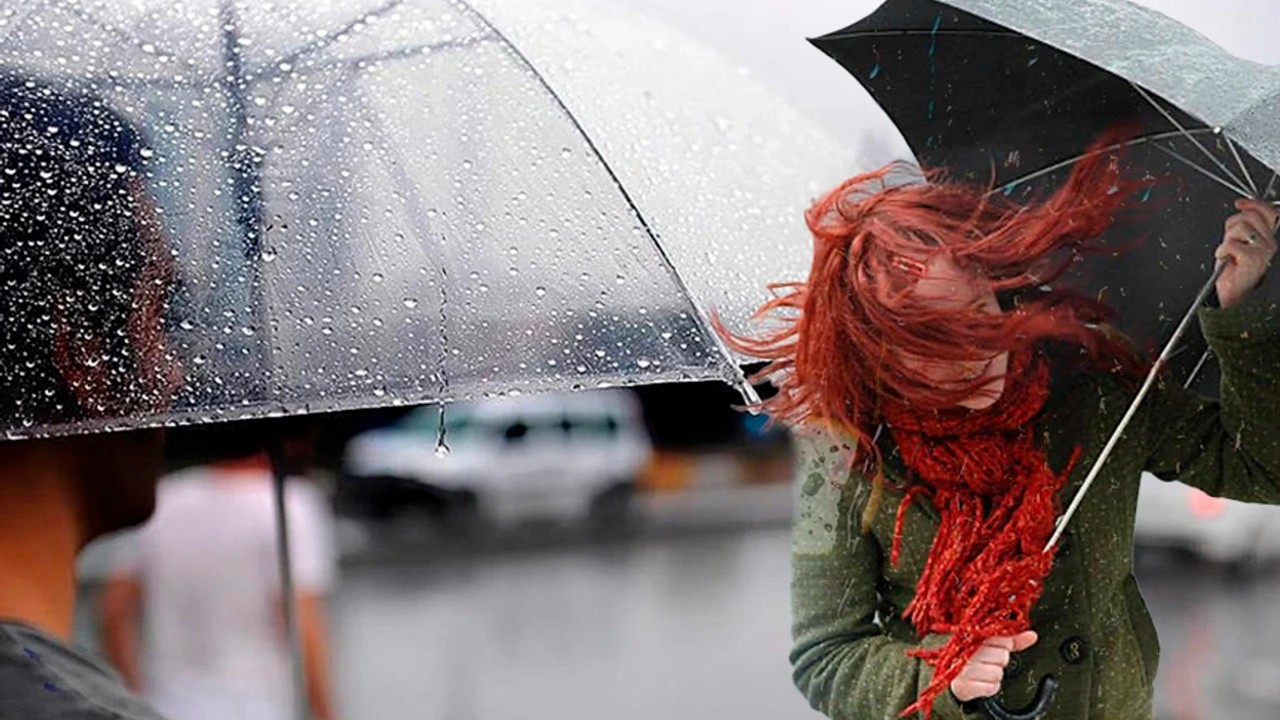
1044, 698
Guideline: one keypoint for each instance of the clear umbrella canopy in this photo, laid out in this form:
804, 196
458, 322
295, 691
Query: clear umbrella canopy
346, 204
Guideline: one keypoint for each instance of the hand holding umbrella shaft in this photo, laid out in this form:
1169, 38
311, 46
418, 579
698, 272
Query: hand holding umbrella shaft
1249, 241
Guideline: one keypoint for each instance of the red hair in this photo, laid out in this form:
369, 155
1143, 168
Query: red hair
831, 353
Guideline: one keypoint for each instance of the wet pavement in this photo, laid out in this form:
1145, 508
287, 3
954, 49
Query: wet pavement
691, 627
694, 625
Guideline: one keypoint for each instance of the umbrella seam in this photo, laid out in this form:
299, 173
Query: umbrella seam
735, 373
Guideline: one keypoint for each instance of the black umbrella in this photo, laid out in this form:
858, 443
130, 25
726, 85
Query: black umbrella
990, 103
1013, 93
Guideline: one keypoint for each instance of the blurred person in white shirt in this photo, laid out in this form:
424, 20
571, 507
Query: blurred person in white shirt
192, 614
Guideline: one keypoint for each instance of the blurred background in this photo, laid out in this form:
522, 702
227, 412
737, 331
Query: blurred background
624, 553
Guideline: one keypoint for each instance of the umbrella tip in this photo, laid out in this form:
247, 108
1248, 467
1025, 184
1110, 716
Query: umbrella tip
750, 398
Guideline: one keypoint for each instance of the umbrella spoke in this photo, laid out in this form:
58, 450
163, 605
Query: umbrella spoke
1153, 138
324, 42
1202, 170
1236, 154
1271, 184
1169, 116
124, 37
1195, 372
732, 374
396, 54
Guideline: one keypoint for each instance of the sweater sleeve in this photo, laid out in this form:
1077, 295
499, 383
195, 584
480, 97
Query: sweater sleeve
843, 661
1229, 447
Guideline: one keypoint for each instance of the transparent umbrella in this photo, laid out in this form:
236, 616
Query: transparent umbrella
329, 205
395, 201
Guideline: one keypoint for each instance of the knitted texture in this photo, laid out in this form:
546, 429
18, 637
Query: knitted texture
996, 496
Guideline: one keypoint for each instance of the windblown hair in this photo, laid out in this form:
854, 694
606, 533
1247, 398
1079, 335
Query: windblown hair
835, 343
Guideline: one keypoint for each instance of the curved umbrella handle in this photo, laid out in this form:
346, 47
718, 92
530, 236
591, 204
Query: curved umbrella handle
1044, 698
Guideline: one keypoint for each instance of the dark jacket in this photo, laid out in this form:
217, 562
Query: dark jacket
42, 678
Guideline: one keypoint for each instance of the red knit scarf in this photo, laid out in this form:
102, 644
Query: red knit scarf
996, 496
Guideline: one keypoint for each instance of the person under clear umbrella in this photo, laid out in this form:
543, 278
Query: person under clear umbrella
84, 278
200, 581
949, 394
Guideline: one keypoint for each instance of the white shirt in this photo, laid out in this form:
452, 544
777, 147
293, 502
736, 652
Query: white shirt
214, 641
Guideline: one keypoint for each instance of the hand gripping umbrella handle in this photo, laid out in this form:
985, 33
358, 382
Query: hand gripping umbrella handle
1044, 698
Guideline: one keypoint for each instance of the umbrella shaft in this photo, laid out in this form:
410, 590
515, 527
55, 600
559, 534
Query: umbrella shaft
288, 599
1156, 367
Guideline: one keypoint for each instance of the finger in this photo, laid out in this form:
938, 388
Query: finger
1228, 251
1024, 640
982, 672
1242, 258
991, 655
1248, 229
1000, 641
1245, 250
1255, 224
972, 690
1268, 212
1245, 234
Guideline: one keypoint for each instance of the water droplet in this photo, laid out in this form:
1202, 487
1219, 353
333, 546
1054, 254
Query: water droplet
269, 255
540, 291
411, 303
378, 277
643, 363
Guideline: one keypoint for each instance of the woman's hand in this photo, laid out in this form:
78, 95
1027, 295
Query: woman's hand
1249, 240
982, 676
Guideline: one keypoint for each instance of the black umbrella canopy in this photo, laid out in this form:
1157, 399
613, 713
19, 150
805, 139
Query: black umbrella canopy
372, 202
1014, 107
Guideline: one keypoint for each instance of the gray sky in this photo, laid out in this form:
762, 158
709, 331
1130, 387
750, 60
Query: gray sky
768, 38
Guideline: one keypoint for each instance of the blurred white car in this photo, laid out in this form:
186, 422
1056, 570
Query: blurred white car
1171, 514
552, 456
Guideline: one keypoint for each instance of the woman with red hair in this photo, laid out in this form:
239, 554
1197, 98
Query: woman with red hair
947, 396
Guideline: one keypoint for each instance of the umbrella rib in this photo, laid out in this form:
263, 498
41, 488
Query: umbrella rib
396, 54
1270, 184
122, 36
325, 42
1231, 145
899, 33
748, 392
1202, 170
1168, 116
1115, 146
